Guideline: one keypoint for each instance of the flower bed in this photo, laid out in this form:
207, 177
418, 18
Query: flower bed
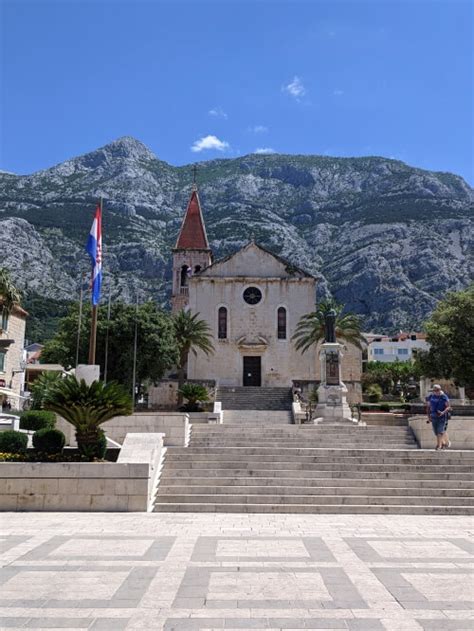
68, 455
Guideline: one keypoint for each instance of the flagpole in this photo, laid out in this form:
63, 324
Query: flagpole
79, 319
106, 360
135, 340
93, 336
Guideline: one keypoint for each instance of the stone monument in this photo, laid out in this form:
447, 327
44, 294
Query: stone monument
332, 393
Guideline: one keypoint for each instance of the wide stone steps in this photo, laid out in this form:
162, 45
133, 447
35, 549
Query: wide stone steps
308, 454
261, 482
315, 509
384, 500
310, 469
317, 472
289, 465
377, 445
254, 398
290, 491
260, 418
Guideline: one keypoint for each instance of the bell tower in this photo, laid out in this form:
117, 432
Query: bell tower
191, 253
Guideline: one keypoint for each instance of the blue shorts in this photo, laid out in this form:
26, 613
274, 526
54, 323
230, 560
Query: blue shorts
439, 425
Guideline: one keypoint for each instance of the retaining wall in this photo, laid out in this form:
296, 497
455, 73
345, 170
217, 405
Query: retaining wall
126, 485
460, 431
174, 426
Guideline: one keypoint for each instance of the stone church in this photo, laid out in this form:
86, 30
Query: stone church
252, 301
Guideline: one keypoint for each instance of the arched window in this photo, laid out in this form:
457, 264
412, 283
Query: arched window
222, 323
281, 323
184, 275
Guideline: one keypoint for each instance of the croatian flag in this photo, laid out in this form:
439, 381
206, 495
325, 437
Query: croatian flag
94, 249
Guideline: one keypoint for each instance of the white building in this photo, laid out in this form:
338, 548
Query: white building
401, 347
252, 302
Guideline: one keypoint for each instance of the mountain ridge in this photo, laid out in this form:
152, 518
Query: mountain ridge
363, 225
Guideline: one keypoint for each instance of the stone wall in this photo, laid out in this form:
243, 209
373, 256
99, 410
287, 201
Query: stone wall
460, 431
84, 486
164, 394
174, 426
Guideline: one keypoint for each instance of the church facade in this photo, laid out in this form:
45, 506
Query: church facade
252, 302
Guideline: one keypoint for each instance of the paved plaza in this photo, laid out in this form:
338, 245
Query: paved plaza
216, 571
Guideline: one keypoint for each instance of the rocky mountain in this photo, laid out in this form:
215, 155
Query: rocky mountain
385, 238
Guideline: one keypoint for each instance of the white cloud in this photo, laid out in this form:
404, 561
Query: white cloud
264, 150
209, 142
338, 92
295, 88
259, 129
218, 112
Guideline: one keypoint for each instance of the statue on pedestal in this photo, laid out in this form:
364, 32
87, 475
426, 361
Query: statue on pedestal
332, 393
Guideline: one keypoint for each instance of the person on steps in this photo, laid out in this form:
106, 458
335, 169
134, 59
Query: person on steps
437, 408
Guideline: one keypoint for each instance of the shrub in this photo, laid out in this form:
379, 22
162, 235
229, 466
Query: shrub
49, 440
86, 407
194, 393
13, 442
384, 407
374, 393
34, 420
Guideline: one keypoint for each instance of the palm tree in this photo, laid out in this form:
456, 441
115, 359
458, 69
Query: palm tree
41, 386
86, 407
9, 294
310, 330
192, 335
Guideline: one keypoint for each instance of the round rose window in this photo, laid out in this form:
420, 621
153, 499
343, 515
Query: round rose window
252, 295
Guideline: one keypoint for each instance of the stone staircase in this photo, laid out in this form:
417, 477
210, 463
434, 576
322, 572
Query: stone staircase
311, 469
254, 398
257, 418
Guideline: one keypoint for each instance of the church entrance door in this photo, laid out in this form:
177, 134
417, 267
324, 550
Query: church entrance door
252, 370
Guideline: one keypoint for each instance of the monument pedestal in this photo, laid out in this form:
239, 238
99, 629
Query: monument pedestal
332, 393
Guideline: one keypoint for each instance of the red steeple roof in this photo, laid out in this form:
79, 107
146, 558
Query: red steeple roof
193, 232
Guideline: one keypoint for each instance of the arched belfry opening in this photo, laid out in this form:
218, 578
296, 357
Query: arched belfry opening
184, 275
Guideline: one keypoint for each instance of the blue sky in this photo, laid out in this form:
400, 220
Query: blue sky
199, 80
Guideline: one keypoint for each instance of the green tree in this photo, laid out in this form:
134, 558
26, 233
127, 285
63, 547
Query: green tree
192, 335
9, 294
450, 333
397, 378
87, 407
157, 349
310, 330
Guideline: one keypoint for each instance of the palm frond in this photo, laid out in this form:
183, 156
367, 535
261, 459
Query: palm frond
310, 330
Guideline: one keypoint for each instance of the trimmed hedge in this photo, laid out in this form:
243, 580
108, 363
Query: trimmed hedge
34, 420
49, 440
13, 442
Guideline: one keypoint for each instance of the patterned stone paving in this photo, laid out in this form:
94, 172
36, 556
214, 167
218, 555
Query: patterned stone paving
209, 572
